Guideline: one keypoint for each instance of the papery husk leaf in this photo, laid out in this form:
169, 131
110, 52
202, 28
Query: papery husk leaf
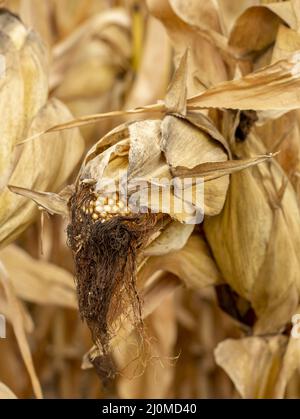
287, 42
203, 20
23, 86
290, 366
265, 16
252, 363
253, 90
295, 6
91, 119
282, 135
214, 170
176, 95
145, 158
35, 76
51, 202
206, 124
198, 12
229, 12
13, 27
183, 34
42, 165
174, 237
247, 239
11, 106
186, 145
285, 10
244, 35
97, 167
275, 300
283, 132
193, 264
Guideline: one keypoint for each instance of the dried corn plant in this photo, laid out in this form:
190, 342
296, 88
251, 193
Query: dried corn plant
114, 282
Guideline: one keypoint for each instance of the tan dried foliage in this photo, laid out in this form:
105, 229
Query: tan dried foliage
146, 93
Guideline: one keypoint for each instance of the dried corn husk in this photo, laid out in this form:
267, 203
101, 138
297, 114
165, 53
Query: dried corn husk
49, 169
255, 240
260, 232
191, 27
40, 165
23, 85
282, 134
253, 364
262, 367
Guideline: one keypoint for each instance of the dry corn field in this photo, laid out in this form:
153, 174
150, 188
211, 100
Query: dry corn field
149, 199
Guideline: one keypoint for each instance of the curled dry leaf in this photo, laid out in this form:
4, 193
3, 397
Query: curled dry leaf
37, 281
252, 363
194, 27
282, 133
42, 165
244, 35
229, 12
187, 146
260, 367
23, 97
252, 91
173, 237
177, 92
193, 264
290, 366
255, 240
51, 202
